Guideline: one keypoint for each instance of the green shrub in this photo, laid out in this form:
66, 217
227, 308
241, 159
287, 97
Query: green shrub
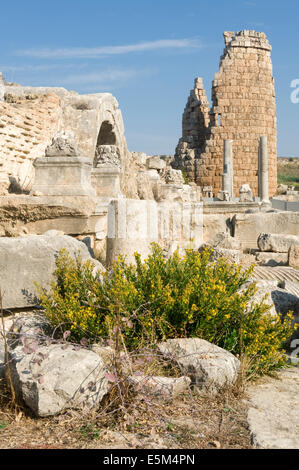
185, 176
167, 298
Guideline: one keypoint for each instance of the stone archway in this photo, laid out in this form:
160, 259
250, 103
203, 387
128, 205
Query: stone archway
107, 150
106, 135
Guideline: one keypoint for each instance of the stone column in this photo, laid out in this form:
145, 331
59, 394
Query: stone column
2, 87
132, 226
263, 169
228, 171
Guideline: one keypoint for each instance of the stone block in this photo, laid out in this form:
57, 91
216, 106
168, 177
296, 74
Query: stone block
57, 377
155, 163
159, 386
246, 193
272, 259
293, 256
63, 176
248, 227
278, 243
106, 181
29, 259
209, 367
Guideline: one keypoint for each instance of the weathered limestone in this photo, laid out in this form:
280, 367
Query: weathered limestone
223, 246
263, 169
178, 193
159, 386
73, 215
57, 377
212, 224
133, 225
27, 125
29, 259
278, 243
209, 367
263, 293
62, 172
282, 274
293, 256
31, 117
63, 145
107, 155
156, 163
231, 255
106, 181
246, 193
174, 177
140, 157
271, 259
34, 328
280, 300
225, 240
195, 125
248, 227
273, 414
243, 108
207, 192
63, 176
282, 189
223, 195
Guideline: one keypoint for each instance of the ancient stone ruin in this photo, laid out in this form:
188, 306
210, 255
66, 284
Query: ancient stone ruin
243, 109
65, 165
31, 117
68, 181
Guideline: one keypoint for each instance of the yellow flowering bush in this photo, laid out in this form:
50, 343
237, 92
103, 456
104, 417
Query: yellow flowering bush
160, 298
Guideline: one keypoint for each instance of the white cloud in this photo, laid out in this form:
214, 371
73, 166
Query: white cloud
106, 76
94, 52
107, 79
37, 68
26, 68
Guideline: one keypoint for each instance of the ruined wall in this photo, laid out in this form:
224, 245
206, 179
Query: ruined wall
195, 126
26, 128
31, 116
243, 109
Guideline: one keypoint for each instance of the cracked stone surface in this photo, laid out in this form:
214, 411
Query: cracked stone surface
273, 414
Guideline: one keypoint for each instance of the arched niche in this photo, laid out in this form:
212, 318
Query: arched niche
106, 137
106, 134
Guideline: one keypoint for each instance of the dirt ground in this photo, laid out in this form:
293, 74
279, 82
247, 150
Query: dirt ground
190, 421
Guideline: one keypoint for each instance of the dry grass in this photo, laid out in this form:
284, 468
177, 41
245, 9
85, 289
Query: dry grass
191, 420
288, 172
130, 419
209, 423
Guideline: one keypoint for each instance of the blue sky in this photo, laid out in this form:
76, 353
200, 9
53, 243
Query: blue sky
147, 54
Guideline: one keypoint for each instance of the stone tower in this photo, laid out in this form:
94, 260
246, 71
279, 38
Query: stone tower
243, 109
